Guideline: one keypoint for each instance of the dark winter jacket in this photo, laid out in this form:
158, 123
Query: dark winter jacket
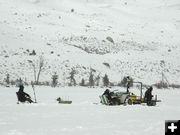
108, 94
22, 96
148, 94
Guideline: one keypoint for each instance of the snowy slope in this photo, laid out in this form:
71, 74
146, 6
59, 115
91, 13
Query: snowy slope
83, 117
145, 33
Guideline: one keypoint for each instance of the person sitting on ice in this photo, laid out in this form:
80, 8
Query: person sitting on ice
23, 96
148, 96
107, 93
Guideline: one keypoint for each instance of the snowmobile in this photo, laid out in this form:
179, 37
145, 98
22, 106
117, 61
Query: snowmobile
119, 98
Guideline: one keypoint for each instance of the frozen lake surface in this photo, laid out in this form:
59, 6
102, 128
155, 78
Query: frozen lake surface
83, 117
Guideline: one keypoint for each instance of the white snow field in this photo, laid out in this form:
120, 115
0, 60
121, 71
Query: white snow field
83, 117
145, 34
137, 38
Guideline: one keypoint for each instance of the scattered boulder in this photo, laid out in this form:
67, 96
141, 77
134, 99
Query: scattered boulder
106, 64
110, 39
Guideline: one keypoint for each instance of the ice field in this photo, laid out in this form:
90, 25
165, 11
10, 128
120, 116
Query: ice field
83, 116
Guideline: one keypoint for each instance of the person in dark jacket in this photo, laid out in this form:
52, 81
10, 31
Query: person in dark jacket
23, 96
107, 93
148, 96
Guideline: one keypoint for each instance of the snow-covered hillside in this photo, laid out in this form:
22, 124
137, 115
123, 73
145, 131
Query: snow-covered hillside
74, 34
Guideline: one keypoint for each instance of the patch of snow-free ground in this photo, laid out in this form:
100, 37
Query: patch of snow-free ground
83, 116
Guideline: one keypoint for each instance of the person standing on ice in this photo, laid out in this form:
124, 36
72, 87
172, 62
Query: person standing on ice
23, 96
148, 96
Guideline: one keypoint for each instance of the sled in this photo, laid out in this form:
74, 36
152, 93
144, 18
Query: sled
153, 101
60, 101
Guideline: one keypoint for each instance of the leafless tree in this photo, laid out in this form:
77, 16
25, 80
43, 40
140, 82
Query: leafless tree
38, 68
7, 80
41, 65
54, 80
71, 77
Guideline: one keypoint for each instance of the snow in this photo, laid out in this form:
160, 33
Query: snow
146, 43
145, 33
83, 117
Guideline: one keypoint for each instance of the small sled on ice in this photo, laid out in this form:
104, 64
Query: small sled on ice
61, 101
123, 98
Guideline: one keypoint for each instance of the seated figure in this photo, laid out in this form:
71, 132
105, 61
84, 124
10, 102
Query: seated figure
23, 96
